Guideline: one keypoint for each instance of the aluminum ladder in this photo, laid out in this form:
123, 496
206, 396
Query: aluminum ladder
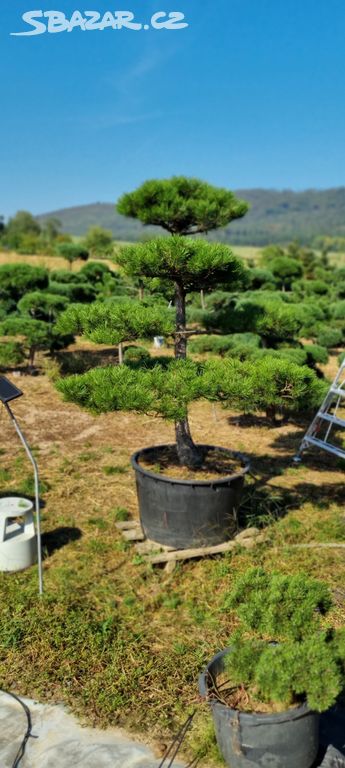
328, 416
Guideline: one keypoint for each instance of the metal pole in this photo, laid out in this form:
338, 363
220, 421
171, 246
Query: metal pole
37, 495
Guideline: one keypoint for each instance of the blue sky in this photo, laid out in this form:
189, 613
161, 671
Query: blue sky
251, 94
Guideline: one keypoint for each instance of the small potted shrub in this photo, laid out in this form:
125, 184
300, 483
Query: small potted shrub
284, 665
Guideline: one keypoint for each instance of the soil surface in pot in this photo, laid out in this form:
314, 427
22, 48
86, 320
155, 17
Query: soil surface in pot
216, 465
244, 699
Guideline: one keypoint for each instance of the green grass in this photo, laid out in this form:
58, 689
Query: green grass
114, 470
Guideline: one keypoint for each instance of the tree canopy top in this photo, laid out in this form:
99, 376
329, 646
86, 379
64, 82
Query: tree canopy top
193, 264
181, 205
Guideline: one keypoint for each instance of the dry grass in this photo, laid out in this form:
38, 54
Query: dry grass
48, 262
247, 252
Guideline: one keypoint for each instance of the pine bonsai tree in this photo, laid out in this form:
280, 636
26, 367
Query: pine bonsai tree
189, 265
183, 207
42, 305
184, 265
35, 334
72, 252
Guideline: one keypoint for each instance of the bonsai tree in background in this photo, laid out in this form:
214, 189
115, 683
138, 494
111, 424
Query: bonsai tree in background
116, 323
72, 252
42, 306
99, 242
286, 270
34, 334
17, 279
269, 317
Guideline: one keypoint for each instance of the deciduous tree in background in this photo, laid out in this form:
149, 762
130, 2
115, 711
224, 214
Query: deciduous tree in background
99, 242
23, 224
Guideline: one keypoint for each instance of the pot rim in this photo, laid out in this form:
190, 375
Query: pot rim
207, 483
258, 718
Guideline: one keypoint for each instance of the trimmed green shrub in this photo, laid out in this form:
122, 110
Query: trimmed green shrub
18, 279
66, 276
330, 337
136, 357
95, 271
11, 353
337, 310
76, 292
261, 278
310, 287
221, 344
316, 354
42, 305
281, 653
285, 270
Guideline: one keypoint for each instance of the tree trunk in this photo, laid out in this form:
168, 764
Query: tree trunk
120, 349
271, 414
188, 453
180, 340
202, 299
141, 291
32, 352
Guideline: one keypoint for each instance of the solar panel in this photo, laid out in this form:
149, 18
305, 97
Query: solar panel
8, 391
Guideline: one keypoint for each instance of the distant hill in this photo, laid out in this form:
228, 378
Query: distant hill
274, 216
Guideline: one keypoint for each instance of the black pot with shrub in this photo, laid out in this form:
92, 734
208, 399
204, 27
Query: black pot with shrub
284, 665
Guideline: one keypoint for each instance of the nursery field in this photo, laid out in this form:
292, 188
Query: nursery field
177, 340
245, 252
117, 640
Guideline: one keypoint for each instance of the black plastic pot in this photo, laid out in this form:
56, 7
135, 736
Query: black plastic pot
185, 513
247, 740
